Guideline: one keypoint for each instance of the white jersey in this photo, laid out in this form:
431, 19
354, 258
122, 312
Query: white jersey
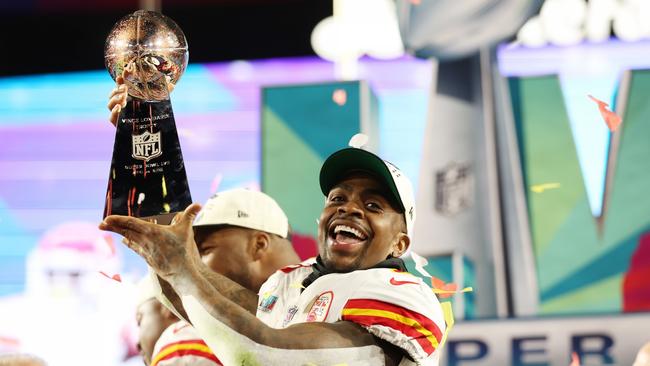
180, 345
392, 305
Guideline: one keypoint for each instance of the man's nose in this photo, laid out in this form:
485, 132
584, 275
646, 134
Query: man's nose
351, 207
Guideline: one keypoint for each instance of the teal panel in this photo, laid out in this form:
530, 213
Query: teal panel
580, 262
313, 115
301, 126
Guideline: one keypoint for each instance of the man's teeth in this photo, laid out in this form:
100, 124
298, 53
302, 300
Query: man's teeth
349, 230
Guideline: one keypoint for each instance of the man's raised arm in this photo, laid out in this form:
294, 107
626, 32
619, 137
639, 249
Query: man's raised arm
235, 335
230, 289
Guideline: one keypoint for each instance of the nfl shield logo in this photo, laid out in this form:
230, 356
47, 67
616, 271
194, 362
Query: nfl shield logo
147, 146
454, 189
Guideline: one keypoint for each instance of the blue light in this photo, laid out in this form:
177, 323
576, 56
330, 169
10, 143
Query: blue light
82, 97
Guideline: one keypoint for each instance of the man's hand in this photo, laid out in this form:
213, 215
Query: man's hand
169, 250
117, 100
118, 97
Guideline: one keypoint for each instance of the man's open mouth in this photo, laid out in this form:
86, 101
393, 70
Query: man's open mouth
346, 235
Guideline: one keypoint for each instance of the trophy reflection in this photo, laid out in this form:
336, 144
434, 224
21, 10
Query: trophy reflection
147, 177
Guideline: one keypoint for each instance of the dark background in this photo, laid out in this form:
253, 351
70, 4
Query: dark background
68, 35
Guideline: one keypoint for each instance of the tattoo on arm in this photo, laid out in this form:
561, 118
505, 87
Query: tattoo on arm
230, 289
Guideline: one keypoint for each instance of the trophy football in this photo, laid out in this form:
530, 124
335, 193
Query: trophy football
147, 177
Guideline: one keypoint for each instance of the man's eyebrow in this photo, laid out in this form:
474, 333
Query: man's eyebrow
378, 192
343, 186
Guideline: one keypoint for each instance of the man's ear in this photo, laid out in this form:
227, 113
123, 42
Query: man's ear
167, 314
261, 243
401, 245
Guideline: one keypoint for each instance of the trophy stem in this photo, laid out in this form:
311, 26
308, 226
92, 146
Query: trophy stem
147, 177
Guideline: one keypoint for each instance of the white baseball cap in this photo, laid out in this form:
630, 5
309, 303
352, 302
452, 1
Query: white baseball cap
339, 164
145, 290
244, 208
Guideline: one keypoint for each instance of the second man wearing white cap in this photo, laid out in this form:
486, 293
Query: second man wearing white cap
240, 234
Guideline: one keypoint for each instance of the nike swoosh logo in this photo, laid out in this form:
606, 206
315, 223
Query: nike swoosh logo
395, 282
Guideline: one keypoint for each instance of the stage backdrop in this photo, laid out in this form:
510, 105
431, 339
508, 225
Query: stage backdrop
586, 188
56, 140
54, 164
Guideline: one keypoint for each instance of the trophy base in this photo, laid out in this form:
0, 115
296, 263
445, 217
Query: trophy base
147, 177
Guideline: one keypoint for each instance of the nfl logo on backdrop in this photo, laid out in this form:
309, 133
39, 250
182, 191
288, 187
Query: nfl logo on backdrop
454, 188
321, 307
147, 146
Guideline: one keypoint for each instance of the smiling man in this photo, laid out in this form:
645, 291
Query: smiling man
355, 305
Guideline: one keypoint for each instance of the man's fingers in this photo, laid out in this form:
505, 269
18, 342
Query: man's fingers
176, 218
187, 217
118, 99
116, 108
112, 93
115, 113
118, 90
123, 225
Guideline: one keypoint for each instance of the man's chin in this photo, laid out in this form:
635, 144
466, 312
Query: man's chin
342, 264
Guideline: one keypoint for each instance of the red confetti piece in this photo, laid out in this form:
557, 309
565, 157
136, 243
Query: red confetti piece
611, 119
115, 277
575, 360
448, 288
339, 96
13, 342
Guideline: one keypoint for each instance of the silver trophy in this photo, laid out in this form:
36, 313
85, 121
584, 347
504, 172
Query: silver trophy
147, 177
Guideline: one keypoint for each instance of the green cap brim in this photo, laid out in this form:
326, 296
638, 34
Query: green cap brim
338, 165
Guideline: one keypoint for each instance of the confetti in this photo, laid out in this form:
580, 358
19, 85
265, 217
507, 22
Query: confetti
296, 285
611, 119
13, 342
575, 360
340, 97
445, 293
445, 290
448, 314
164, 187
115, 277
420, 262
539, 188
440, 288
358, 140
415, 2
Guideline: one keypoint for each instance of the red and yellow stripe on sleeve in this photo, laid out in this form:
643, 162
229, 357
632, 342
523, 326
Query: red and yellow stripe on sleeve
367, 312
193, 347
